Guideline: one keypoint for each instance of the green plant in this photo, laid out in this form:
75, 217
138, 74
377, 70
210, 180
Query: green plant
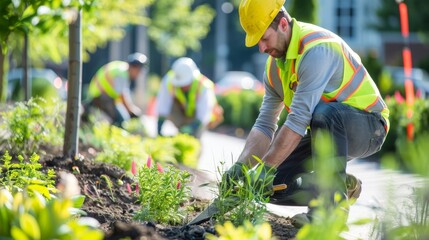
109, 185
243, 200
135, 126
247, 231
28, 125
33, 217
161, 193
240, 108
411, 219
399, 121
330, 209
180, 148
119, 147
26, 175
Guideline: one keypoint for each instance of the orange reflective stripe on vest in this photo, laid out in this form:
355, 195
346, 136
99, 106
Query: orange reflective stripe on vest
357, 88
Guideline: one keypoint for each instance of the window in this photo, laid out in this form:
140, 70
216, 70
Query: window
345, 18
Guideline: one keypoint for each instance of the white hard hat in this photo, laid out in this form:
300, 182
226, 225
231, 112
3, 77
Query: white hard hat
185, 71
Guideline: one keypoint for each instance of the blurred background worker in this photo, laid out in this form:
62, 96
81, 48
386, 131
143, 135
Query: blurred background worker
109, 89
187, 98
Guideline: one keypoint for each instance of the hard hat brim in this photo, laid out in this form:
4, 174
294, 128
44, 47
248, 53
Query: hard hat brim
252, 40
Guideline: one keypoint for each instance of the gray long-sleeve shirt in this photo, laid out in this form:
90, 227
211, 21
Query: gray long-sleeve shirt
321, 70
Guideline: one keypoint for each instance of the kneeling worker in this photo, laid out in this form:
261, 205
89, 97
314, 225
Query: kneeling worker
186, 97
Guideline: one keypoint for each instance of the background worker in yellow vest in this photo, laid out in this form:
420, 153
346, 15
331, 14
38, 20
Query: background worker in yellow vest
109, 89
312, 73
186, 97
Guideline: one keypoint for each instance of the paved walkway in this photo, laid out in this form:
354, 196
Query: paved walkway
380, 187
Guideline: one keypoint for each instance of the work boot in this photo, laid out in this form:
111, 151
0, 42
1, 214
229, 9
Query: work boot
354, 186
300, 219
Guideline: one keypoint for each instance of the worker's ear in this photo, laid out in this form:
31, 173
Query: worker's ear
283, 24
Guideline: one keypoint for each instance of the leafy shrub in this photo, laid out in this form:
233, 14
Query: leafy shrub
399, 120
240, 108
26, 175
135, 126
119, 147
28, 125
161, 193
24, 217
228, 231
181, 148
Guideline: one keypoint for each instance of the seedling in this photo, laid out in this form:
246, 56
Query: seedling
161, 193
249, 199
26, 175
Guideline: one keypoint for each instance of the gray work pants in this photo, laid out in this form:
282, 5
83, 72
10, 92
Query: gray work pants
179, 119
356, 133
115, 111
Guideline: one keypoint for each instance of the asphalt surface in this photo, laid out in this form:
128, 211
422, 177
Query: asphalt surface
381, 189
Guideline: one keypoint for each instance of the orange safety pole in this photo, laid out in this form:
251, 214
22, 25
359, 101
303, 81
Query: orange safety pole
407, 60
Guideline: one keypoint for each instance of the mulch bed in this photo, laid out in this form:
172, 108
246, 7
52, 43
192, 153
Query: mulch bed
114, 210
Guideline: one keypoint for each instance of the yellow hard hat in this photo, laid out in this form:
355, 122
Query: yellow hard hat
256, 16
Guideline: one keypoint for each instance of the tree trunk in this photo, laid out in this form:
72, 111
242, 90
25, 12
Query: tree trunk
3, 83
25, 70
71, 137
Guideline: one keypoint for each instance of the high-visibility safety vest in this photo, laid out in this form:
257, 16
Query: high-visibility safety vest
103, 81
357, 88
189, 103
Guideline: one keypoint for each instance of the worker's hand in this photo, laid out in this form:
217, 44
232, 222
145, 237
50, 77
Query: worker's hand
135, 112
187, 129
191, 128
261, 179
234, 174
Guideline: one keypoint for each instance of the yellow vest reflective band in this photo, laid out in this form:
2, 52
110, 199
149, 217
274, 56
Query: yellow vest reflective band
357, 88
103, 81
189, 104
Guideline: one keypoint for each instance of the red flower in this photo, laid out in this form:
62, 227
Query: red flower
137, 188
134, 168
398, 97
149, 162
158, 165
178, 185
129, 188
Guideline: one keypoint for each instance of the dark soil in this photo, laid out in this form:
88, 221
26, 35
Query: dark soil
114, 210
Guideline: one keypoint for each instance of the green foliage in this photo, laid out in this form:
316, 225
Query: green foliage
29, 125
228, 231
411, 221
388, 16
161, 193
304, 10
399, 121
181, 148
26, 175
48, 26
329, 219
175, 23
24, 217
240, 108
135, 126
242, 201
119, 147
40, 87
